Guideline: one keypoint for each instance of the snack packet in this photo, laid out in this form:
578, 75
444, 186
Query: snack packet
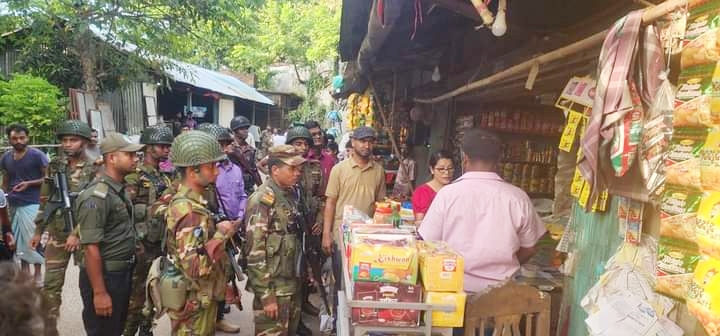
703, 300
682, 165
692, 100
676, 262
701, 35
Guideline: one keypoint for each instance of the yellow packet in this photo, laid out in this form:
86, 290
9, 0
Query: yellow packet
577, 184
703, 298
707, 230
569, 133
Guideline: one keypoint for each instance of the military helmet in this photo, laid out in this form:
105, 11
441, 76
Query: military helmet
239, 122
220, 133
298, 132
74, 127
157, 135
194, 148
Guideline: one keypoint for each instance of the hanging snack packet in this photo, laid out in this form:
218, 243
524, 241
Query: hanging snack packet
707, 229
710, 162
676, 262
678, 213
628, 133
701, 36
703, 300
682, 166
692, 101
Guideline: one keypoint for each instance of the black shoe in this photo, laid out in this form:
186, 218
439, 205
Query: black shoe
226, 309
303, 330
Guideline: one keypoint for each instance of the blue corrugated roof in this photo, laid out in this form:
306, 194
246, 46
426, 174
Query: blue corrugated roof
213, 81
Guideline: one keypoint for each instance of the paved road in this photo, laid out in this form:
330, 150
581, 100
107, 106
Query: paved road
71, 324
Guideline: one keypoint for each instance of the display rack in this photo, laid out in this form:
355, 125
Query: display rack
346, 303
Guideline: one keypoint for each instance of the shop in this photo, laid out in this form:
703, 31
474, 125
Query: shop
621, 162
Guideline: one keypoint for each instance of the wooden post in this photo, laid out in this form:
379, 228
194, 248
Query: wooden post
381, 109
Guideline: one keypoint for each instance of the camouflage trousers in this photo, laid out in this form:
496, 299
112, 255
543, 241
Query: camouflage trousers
56, 262
286, 323
198, 319
136, 320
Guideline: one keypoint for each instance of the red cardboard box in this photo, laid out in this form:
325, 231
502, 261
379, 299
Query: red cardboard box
386, 292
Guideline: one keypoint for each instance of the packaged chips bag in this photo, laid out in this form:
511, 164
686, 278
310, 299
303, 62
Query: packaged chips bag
692, 100
682, 165
678, 213
676, 261
707, 229
703, 299
710, 162
701, 43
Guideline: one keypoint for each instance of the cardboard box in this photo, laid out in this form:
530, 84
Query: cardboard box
441, 268
386, 292
452, 319
384, 256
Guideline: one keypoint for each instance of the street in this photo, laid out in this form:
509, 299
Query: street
71, 323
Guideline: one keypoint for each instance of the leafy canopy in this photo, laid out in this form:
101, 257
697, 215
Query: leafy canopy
33, 102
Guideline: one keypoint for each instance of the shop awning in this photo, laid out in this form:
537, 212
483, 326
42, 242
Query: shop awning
212, 80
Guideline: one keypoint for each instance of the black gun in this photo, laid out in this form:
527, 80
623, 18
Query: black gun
312, 250
62, 200
232, 251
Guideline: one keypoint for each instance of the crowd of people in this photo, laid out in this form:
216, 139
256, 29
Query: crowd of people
149, 242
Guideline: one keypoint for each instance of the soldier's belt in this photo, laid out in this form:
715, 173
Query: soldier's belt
119, 265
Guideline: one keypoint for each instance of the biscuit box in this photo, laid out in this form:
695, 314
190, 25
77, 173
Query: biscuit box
386, 292
441, 268
384, 256
447, 319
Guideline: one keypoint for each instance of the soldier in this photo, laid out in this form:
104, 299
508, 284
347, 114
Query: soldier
272, 221
229, 193
310, 192
105, 219
195, 241
80, 170
145, 186
244, 155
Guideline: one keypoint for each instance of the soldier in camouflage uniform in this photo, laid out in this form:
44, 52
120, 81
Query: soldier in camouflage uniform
274, 247
195, 242
145, 186
74, 136
244, 155
309, 190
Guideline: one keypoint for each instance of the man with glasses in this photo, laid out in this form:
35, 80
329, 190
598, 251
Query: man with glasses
490, 222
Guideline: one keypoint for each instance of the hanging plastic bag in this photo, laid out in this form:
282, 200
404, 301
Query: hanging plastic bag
656, 135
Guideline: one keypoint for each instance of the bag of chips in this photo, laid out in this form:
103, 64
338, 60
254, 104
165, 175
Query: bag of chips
703, 299
676, 262
701, 43
678, 213
682, 165
692, 100
707, 229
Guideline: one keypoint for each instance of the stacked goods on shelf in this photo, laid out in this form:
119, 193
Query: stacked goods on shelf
529, 166
360, 110
693, 169
517, 121
442, 271
382, 266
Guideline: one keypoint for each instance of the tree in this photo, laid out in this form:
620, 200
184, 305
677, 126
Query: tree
33, 102
138, 29
303, 34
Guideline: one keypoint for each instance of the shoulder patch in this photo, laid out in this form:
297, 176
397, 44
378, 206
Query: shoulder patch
100, 190
268, 198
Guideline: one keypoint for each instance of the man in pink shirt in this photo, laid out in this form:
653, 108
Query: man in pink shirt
490, 222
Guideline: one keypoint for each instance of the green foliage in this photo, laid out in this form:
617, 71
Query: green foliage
310, 108
34, 102
301, 33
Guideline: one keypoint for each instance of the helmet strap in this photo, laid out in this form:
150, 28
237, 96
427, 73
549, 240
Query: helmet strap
202, 179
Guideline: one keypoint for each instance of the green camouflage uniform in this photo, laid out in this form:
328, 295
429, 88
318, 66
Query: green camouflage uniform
145, 186
191, 235
272, 253
56, 258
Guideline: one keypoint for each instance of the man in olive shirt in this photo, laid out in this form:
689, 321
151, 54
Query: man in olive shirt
104, 213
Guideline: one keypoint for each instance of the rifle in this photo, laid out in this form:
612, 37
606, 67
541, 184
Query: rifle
62, 200
239, 159
312, 249
231, 250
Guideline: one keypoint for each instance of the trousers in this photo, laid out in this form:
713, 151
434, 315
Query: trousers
119, 286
